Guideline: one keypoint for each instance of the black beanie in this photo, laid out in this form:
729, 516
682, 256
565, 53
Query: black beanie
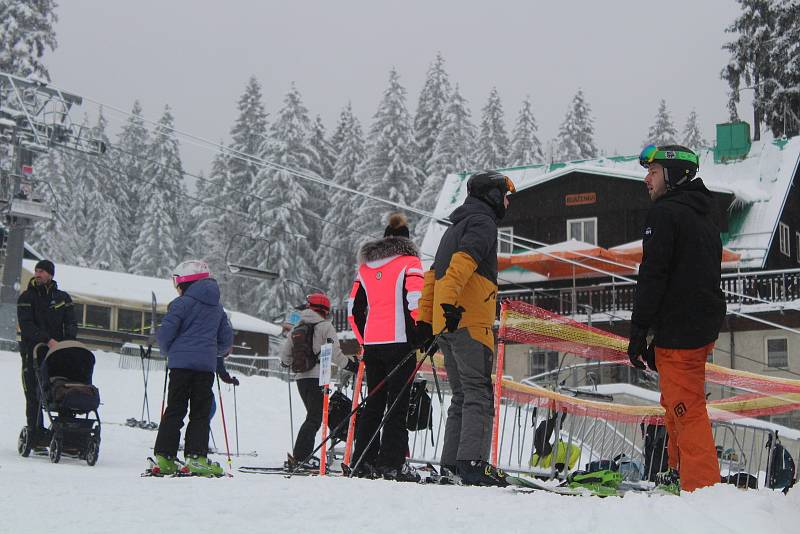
47, 266
398, 226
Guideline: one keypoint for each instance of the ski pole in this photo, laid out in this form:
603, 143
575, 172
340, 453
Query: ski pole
351, 427
374, 390
236, 419
224, 427
164, 393
388, 413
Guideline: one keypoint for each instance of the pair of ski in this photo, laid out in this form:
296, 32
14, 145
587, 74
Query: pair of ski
528, 484
183, 471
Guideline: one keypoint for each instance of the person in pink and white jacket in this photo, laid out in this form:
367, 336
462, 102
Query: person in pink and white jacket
382, 310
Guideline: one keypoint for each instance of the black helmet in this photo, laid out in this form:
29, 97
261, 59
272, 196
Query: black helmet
491, 187
680, 163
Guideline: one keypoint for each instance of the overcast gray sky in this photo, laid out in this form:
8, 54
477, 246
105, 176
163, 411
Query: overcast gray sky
197, 55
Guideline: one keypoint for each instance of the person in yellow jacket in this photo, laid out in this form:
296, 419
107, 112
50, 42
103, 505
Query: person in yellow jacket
459, 297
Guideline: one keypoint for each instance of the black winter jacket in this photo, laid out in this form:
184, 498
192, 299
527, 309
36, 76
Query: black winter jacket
45, 313
678, 293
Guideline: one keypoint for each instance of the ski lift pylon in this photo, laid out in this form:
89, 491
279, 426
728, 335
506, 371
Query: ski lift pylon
250, 271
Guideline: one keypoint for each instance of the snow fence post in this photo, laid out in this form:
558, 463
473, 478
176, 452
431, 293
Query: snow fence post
325, 353
498, 384
351, 427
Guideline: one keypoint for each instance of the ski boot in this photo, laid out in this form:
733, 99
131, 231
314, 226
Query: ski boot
603, 482
165, 466
669, 481
200, 466
481, 473
405, 473
292, 465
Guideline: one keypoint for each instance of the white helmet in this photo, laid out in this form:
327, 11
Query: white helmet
189, 271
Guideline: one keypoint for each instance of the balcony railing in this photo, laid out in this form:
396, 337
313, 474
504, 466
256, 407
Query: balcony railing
761, 287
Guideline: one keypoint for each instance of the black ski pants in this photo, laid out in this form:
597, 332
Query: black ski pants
33, 409
188, 390
390, 450
311, 394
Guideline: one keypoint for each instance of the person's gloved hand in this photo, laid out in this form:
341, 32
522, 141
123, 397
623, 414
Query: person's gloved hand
452, 316
228, 379
650, 357
423, 335
352, 366
637, 346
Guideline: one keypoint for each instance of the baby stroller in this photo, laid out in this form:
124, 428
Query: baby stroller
64, 379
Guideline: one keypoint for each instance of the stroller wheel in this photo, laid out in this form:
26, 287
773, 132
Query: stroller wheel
92, 451
24, 443
55, 449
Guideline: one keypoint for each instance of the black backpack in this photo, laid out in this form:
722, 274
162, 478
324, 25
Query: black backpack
339, 408
781, 468
420, 410
303, 356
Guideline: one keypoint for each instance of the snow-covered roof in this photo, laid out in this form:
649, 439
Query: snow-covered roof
759, 183
111, 288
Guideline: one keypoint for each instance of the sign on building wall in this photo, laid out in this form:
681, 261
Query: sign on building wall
579, 199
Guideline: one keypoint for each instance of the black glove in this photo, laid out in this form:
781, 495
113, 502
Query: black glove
452, 316
228, 379
650, 356
423, 335
352, 366
637, 346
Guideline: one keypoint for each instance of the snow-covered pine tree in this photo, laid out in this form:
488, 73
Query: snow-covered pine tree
26, 30
322, 162
576, 134
104, 231
662, 132
280, 208
431, 108
492, 144
692, 137
337, 258
58, 238
389, 171
127, 157
783, 108
249, 136
160, 236
525, 146
454, 151
750, 58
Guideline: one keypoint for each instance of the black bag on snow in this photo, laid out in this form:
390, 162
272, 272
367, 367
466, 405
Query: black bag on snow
420, 407
303, 356
781, 468
339, 408
656, 458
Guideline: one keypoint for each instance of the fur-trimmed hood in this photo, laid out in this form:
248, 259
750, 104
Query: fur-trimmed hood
386, 248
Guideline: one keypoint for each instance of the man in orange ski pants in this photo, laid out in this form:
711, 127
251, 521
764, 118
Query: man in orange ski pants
678, 297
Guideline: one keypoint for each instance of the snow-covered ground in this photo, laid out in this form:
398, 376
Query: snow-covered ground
38, 496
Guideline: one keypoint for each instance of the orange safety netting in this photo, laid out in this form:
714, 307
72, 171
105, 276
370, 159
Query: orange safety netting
529, 324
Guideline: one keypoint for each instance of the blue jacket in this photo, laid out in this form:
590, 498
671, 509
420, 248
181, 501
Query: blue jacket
196, 329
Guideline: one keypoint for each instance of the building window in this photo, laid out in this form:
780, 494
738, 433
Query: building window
797, 245
77, 309
783, 229
505, 236
778, 352
98, 317
129, 321
583, 230
541, 361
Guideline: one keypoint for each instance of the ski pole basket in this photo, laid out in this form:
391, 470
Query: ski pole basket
250, 271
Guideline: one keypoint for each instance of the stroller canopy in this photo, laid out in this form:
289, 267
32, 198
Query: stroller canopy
69, 359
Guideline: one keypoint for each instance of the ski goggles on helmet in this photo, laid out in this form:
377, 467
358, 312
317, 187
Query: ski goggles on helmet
651, 153
505, 182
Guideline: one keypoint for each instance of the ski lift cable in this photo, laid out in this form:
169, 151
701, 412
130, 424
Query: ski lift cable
330, 183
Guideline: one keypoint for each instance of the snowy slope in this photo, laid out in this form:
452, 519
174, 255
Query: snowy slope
70, 497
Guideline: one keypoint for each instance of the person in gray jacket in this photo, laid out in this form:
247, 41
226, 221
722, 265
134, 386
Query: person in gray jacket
315, 313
